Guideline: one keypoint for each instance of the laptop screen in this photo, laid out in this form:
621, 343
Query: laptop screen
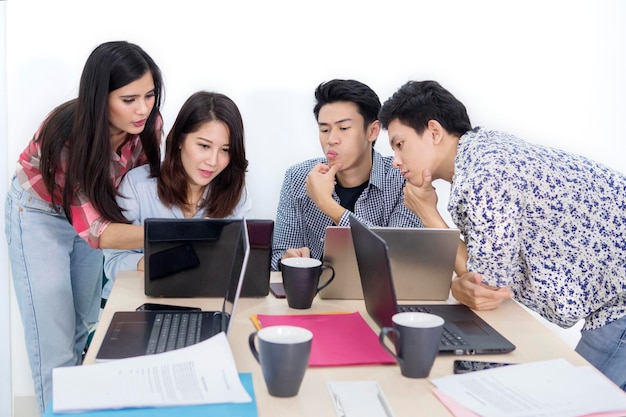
374, 269
240, 261
190, 257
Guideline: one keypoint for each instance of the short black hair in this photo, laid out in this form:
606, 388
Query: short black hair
417, 102
364, 97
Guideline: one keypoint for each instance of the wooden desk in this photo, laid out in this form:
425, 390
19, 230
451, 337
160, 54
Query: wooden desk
407, 397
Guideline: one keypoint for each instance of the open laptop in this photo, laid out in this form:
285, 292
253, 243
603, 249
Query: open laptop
464, 332
188, 257
136, 333
422, 262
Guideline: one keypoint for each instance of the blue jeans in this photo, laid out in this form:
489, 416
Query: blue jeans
57, 280
605, 348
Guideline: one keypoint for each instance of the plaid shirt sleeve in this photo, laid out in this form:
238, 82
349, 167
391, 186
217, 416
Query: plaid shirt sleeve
289, 232
86, 220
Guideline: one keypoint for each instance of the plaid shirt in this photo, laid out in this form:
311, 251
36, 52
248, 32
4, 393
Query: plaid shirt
87, 222
300, 223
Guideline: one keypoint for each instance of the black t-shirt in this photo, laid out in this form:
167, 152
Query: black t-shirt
348, 196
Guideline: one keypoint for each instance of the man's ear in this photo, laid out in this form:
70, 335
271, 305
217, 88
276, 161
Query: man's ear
436, 130
373, 130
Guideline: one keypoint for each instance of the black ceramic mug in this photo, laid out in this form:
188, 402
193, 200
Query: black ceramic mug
301, 279
417, 337
284, 356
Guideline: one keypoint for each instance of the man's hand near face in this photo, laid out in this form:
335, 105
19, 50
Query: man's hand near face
422, 200
320, 184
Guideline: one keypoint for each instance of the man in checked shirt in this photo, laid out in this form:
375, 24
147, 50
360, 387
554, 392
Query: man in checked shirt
351, 177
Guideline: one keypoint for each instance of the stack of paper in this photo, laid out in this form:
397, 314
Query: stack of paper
552, 388
339, 339
204, 373
204, 410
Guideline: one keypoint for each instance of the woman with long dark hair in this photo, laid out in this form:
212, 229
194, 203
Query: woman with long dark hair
61, 207
202, 174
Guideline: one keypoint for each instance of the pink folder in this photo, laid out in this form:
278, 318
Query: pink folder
339, 339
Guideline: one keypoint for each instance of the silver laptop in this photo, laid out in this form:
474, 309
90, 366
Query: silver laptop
422, 261
136, 333
464, 333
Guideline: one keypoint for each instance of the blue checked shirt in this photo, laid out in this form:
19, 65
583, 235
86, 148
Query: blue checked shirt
300, 223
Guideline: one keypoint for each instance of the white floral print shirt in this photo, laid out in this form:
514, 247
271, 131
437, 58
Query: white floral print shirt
550, 224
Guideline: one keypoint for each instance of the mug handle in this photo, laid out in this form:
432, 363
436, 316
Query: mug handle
255, 352
381, 338
332, 276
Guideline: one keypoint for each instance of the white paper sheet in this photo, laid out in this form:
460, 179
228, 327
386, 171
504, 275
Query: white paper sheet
552, 388
204, 373
359, 399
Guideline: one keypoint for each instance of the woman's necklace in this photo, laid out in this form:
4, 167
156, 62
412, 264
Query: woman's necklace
191, 209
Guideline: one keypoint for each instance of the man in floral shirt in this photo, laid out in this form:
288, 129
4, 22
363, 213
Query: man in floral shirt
538, 224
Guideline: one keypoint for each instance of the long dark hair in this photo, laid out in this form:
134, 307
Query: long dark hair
226, 189
82, 124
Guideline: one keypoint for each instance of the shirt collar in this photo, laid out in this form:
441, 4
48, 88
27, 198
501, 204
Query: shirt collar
377, 176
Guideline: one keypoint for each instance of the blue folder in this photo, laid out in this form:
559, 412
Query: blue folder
204, 410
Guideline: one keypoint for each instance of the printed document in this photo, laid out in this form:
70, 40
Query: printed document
204, 373
553, 388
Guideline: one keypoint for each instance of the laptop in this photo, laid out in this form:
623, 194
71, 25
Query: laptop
465, 333
189, 257
256, 282
422, 262
136, 333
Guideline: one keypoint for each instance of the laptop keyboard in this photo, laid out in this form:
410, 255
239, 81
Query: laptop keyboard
448, 338
176, 330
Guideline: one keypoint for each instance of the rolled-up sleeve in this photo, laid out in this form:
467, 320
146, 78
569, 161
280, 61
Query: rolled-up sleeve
124, 260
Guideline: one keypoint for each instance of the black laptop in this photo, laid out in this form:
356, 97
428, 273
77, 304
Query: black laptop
465, 333
192, 257
136, 333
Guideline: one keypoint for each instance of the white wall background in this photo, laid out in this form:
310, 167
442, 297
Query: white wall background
551, 72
